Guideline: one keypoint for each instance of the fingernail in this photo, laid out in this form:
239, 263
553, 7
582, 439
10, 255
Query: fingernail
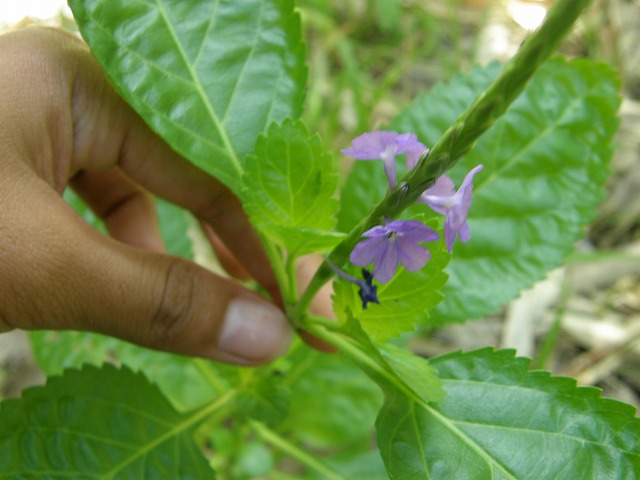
254, 331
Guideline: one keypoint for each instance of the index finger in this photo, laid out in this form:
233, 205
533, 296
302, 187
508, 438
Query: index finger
109, 133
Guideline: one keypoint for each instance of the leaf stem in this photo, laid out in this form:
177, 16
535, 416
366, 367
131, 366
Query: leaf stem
356, 352
461, 136
286, 446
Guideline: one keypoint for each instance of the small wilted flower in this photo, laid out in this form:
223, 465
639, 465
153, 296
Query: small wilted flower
368, 292
444, 199
384, 145
392, 244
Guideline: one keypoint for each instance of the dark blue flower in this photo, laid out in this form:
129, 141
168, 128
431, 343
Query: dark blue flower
368, 292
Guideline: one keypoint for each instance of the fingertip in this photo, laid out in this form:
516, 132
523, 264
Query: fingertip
253, 332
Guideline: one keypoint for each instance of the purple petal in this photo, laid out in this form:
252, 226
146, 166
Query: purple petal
466, 189
449, 234
406, 139
464, 233
469, 176
386, 264
412, 255
390, 171
413, 230
377, 231
440, 197
444, 187
408, 143
367, 251
370, 145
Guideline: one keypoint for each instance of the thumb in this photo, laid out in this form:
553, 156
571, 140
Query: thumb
174, 305
62, 274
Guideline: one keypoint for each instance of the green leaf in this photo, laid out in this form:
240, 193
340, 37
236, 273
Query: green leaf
365, 465
174, 224
365, 186
98, 423
209, 77
83, 210
266, 400
507, 422
343, 414
290, 183
545, 164
405, 301
388, 14
301, 240
187, 382
416, 372
393, 368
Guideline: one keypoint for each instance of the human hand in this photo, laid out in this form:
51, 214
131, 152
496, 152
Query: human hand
62, 124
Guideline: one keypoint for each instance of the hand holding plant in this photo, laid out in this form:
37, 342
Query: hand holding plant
223, 83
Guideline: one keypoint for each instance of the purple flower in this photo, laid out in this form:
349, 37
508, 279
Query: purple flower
393, 243
384, 145
443, 198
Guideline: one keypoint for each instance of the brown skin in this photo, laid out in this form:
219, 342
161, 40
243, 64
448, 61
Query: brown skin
62, 124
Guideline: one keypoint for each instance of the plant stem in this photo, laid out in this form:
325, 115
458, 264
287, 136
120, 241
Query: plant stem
461, 136
284, 445
550, 341
357, 353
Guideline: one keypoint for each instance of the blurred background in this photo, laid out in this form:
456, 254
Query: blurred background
369, 58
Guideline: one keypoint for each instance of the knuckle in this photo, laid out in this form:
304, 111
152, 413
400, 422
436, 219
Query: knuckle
217, 208
172, 317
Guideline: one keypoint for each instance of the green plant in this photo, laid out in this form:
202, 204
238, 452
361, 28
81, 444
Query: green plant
542, 129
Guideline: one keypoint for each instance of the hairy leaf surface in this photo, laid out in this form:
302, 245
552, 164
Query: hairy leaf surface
100, 424
500, 420
209, 77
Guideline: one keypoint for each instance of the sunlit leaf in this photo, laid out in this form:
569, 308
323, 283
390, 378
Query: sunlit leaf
290, 183
416, 372
500, 420
209, 77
